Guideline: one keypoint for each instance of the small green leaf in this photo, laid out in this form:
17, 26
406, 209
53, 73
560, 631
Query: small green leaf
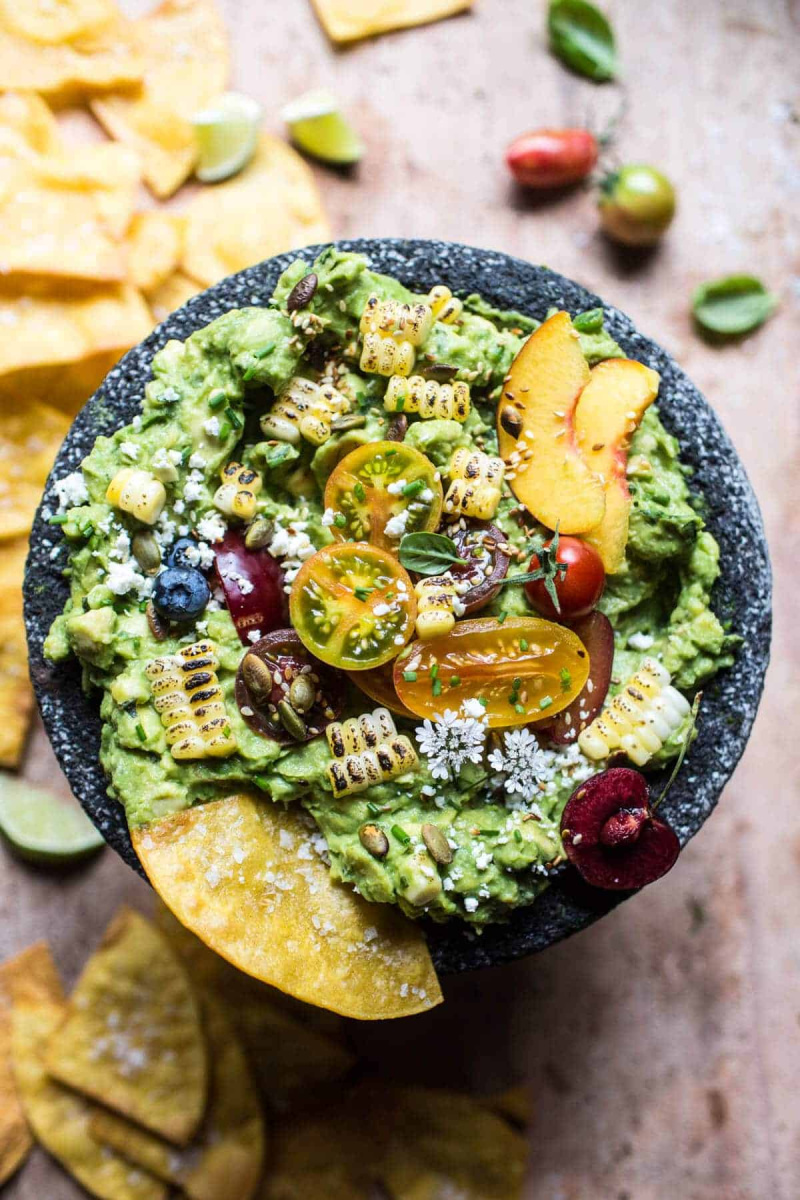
590, 321
582, 37
429, 553
734, 305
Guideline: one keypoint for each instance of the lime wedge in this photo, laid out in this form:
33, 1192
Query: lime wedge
317, 127
227, 135
42, 827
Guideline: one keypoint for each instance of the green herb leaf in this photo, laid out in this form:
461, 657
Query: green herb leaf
687, 741
590, 321
734, 305
429, 553
582, 37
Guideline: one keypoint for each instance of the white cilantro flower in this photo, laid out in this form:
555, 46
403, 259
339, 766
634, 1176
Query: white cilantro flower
521, 761
449, 741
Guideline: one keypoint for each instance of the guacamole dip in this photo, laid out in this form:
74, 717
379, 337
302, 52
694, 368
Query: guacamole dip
217, 526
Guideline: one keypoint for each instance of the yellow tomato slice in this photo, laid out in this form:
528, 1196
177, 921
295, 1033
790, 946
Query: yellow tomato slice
353, 606
524, 669
382, 491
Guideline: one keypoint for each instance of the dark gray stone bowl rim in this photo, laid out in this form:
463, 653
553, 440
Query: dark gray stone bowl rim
72, 720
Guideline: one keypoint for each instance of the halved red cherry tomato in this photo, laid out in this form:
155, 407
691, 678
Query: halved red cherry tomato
252, 581
525, 669
353, 606
378, 684
380, 492
578, 588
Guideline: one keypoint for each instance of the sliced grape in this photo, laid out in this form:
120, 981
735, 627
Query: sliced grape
486, 565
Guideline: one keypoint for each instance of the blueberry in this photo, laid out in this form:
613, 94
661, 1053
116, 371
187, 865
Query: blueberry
184, 553
180, 593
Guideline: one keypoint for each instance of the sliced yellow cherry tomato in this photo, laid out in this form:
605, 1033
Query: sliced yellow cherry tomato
524, 669
382, 491
353, 606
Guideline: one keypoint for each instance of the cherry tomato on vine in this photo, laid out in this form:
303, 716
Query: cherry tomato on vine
578, 588
551, 158
353, 605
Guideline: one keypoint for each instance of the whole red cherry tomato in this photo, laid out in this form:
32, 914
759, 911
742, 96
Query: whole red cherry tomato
550, 158
578, 588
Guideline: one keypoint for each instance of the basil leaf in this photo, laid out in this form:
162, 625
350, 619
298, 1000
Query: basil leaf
581, 36
429, 553
734, 305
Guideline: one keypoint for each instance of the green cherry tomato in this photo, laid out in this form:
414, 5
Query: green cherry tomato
637, 204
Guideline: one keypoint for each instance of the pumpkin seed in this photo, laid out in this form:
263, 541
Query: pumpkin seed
350, 421
259, 533
398, 427
158, 626
258, 679
437, 844
374, 840
302, 694
440, 372
511, 421
302, 292
146, 551
292, 722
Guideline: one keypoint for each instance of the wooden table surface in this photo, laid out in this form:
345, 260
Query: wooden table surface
661, 1046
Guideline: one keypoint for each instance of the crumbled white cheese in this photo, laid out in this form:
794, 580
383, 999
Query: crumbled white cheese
123, 578
470, 903
211, 528
129, 450
71, 491
197, 461
211, 426
327, 517
395, 527
640, 641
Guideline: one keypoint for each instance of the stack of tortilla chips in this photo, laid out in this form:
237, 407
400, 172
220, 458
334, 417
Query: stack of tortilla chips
84, 275
167, 1072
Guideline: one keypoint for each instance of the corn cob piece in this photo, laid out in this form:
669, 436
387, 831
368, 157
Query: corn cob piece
236, 496
438, 605
305, 410
476, 484
139, 493
448, 401
639, 719
367, 750
188, 698
445, 306
391, 332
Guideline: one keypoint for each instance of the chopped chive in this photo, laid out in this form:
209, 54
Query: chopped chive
340, 520
434, 670
519, 708
523, 645
399, 404
482, 700
224, 430
234, 418
410, 676
516, 683
249, 373
226, 732
262, 781
517, 836
566, 679
390, 453
501, 618
362, 593
414, 488
140, 733
373, 809
436, 687
455, 680
143, 606
401, 835
58, 519
264, 351
545, 701
216, 400
490, 832
88, 530
358, 490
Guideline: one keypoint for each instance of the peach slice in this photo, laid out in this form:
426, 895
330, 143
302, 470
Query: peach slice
609, 411
536, 434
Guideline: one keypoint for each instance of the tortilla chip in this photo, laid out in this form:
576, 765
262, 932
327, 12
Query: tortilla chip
49, 23
349, 20
29, 439
446, 1144
133, 1037
271, 206
16, 694
225, 1159
86, 334
171, 294
27, 115
98, 57
242, 874
154, 249
187, 63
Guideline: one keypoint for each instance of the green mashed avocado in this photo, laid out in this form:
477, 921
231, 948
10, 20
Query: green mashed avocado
201, 411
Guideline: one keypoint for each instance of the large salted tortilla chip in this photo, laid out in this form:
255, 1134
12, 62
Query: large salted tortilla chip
244, 876
349, 20
155, 241
16, 694
187, 62
27, 115
133, 1036
29, 439
271, 206
37, 54
226, 1157
171, 294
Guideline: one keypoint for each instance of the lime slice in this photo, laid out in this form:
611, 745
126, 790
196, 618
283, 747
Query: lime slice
317, 127
227, 135
42, 827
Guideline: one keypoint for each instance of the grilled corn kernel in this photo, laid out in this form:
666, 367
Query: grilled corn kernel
447, 401
367, 750
390, 318
236, 497
640, 718
139, 493
187, 696
477, 481
438, 605
384, 356
446, 307
305, 410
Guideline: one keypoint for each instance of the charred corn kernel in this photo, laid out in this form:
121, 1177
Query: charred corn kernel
477, 481
640, 718
447, 401
236, 497
305, 410
438, 605
139, 493
390, 318
367, 750
187, 696
445, 306
384, 356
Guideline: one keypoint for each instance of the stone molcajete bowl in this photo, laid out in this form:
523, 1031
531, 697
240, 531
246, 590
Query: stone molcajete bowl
730, 703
